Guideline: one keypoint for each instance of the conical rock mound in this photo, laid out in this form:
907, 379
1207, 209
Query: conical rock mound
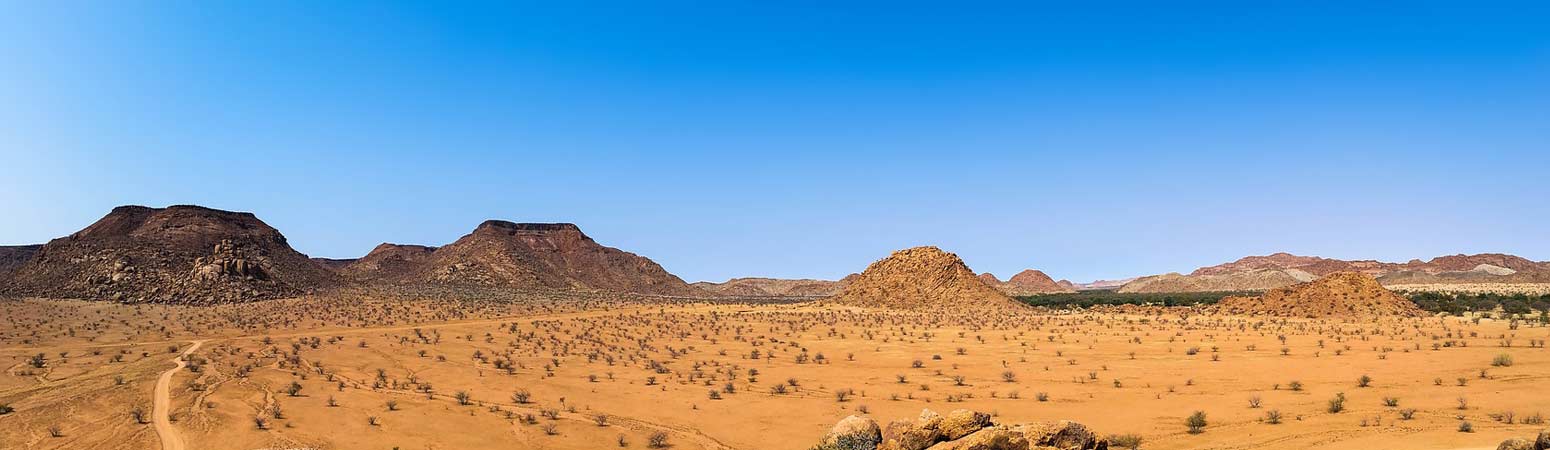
923, 278
1032, 282
1340, 295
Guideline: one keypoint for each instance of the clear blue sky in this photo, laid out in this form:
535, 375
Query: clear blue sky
799, 139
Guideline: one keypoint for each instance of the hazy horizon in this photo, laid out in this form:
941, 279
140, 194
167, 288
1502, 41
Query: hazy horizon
799, 142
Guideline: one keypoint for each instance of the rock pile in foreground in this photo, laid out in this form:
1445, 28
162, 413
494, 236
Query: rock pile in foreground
958, 430
1540, 443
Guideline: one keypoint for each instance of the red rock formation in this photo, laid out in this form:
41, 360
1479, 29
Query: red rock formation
178, 254
923, 278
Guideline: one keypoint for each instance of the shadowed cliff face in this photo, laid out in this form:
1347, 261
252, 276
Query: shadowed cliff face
13, 256
178, 254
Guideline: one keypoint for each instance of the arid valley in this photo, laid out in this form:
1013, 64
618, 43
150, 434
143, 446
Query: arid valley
836, 225
194, 328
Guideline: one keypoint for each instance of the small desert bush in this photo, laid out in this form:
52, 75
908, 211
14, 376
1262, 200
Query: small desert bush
1125, 441
1337, 404
1196, 422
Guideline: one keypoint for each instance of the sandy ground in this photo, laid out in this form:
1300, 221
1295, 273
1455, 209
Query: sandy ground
341, 379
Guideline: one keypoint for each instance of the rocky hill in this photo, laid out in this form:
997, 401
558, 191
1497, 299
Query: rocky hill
524, 256
772, 287
960, 429
1284, 269
13, 256
178, 254
1340, 295
923, 278
389, 261
1028, 282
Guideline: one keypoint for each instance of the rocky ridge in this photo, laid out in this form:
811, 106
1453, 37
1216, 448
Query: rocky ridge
773, 287
1284, 269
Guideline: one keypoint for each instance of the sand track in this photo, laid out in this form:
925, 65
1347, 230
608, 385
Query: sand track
161, 405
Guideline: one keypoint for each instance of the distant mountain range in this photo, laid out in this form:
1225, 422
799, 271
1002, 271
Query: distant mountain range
196, 255
1285, 269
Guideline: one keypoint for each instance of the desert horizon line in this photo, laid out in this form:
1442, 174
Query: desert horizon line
1046, 269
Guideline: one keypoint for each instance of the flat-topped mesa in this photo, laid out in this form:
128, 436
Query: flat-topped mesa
923, 278
507, 226
959, 429
541, 256
178, 254
1337, 295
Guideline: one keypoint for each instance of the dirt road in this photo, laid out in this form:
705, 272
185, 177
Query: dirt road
162, 403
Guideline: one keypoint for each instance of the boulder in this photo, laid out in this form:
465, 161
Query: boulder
962, 422
1064, 435
913, 435
1516, 444
853, 433
993, 438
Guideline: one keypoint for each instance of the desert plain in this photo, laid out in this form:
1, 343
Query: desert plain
597, 373
190, 328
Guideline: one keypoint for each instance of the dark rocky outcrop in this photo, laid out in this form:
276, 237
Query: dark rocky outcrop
178, 254
541, 256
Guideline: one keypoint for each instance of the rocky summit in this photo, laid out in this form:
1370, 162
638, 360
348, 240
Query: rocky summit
923, 278
1339, 295
178, 254
389, 262
1033, 282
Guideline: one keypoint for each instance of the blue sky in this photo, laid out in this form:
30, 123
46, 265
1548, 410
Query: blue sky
799, 139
